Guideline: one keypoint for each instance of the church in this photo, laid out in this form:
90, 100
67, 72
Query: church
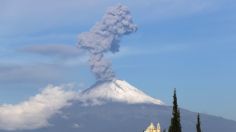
152, 128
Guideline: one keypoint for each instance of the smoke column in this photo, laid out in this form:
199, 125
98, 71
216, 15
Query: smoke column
105, 36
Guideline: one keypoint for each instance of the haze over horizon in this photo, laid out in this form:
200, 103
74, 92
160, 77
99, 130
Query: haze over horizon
185, 44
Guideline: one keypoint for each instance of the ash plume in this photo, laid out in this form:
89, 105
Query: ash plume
105, 36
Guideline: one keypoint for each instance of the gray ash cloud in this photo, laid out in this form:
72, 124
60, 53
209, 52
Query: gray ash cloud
105, 37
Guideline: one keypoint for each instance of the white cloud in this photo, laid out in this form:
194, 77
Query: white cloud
76, 125
35, 112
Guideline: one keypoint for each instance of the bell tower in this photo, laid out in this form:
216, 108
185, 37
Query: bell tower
158, 127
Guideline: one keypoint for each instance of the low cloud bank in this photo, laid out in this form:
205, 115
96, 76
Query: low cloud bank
35, 112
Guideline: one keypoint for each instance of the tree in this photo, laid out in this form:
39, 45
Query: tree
175, 125
198, 125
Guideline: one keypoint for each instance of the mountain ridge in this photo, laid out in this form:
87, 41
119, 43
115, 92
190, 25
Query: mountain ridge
115, 91
121, 115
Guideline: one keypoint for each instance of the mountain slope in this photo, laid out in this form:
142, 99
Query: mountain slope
119, 107
121, 117
115, 91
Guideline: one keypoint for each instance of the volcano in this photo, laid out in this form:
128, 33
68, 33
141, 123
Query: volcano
120, 107
115, 91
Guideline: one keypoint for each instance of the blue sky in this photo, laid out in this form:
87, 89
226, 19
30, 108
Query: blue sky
187, 44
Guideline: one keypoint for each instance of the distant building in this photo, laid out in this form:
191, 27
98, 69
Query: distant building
152, 128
